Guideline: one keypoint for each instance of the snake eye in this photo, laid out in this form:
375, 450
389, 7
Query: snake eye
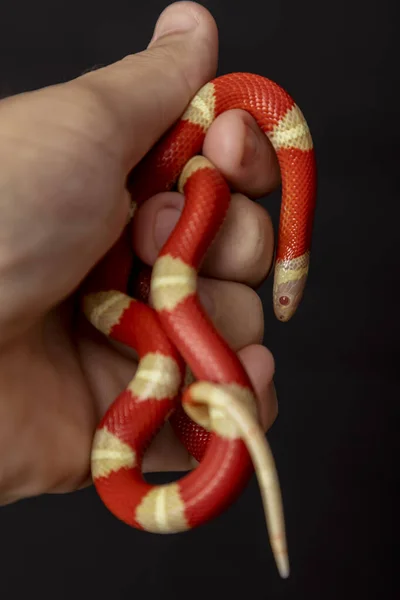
284, 300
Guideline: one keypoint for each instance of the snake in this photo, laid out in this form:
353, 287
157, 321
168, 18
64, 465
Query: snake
187, 374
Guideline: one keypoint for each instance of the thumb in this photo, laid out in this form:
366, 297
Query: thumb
144, 94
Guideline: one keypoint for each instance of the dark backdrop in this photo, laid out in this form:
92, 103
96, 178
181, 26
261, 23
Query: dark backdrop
337, 362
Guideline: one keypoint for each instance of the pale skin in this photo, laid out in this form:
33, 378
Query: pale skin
65, 153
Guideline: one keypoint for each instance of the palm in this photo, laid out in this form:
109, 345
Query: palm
75, 377
57, 406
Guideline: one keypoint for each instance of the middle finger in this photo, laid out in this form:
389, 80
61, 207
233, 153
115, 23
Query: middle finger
242, 250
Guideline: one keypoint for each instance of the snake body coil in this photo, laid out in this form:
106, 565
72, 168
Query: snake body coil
187, 373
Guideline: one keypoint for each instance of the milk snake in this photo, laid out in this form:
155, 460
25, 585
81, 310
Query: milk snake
187, 373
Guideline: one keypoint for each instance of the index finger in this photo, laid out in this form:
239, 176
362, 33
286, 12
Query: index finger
242, 153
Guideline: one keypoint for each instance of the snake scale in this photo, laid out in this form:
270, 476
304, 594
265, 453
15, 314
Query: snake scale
187, 373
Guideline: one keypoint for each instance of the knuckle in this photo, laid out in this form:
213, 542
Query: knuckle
254, 250
161, 59
167, 58
256, 313
263, 243
242, 321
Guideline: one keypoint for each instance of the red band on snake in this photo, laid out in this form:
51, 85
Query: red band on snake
187, 373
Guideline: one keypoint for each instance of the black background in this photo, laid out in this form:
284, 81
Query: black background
335, 441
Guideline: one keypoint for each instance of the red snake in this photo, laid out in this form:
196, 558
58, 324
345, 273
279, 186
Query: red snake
187, 373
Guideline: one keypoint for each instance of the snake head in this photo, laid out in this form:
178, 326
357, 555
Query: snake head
289, 284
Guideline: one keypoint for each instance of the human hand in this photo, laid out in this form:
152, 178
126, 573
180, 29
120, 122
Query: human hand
65, 153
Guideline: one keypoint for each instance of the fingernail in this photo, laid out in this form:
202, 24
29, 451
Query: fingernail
250, 147
174, 19
165, 222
